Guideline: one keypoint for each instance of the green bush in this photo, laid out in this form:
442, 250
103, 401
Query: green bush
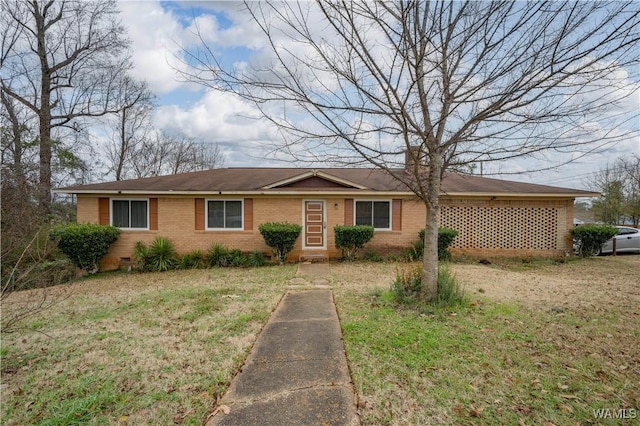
218, 255
195, 259
351, 238
84, 244
445, 238
372, 256
589, 239
235, 258
450, 291
162, 256
141, 256
222, 257
256, 258
281, 237
408, 282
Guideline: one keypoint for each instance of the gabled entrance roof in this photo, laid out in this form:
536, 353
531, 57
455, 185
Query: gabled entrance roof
323, 179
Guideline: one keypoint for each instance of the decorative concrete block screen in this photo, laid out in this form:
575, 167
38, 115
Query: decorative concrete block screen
502, 227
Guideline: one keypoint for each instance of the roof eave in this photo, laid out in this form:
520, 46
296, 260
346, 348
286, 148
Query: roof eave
522, 194
316, 193
252, 192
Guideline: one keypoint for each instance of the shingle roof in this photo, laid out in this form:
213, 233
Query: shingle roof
265, 180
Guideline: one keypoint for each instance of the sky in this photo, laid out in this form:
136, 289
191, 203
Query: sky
161, 32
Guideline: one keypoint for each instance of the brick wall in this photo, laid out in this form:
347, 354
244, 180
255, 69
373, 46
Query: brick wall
511, 227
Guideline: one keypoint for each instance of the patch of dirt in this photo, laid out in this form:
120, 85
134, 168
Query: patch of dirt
598, 282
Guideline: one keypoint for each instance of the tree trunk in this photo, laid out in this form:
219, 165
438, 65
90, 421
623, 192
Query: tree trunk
44, 116
429, 288
17, 130
123, 144
44, 190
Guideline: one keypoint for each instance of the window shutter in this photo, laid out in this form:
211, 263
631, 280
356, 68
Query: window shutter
199, 214
396, 215
248, 214
348, 211
153, 214
103, 211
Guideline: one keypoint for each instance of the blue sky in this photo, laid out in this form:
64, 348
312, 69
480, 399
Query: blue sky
159, 32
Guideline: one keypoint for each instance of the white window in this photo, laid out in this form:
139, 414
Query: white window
224, 214
130, 214
374, 213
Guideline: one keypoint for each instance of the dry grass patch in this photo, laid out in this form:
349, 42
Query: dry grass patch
136, 348
607, 282
539, 344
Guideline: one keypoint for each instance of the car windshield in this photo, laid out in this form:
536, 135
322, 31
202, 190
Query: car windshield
623, 231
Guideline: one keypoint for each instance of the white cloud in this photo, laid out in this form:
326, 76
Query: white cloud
160, 35
156, 36
225, 119
242, 29
159, 32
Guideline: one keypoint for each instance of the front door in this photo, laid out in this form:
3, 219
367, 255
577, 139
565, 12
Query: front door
314, 224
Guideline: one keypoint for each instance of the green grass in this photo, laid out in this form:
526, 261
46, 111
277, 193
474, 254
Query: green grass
141, 348
482, 365
160, 348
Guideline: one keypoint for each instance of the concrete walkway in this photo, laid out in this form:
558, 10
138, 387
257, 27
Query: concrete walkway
296, 373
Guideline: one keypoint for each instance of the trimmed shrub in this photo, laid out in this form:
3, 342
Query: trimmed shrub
84, 244
281, 237
445, 238
351, 238
589, 239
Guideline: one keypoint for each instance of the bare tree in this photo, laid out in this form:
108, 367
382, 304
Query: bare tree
631, 169
130, 128
166, 154
619, 185
18, 182
451, 83
17, 145
609, 207
60, 59
27, 258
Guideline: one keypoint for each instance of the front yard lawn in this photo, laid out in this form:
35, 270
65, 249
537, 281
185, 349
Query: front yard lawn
540, 344
153, 349
525, 359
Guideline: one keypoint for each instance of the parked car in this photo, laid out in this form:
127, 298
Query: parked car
627, 241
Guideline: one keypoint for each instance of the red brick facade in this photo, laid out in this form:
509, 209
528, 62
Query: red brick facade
508, 226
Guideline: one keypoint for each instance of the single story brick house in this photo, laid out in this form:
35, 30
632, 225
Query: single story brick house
195, 210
